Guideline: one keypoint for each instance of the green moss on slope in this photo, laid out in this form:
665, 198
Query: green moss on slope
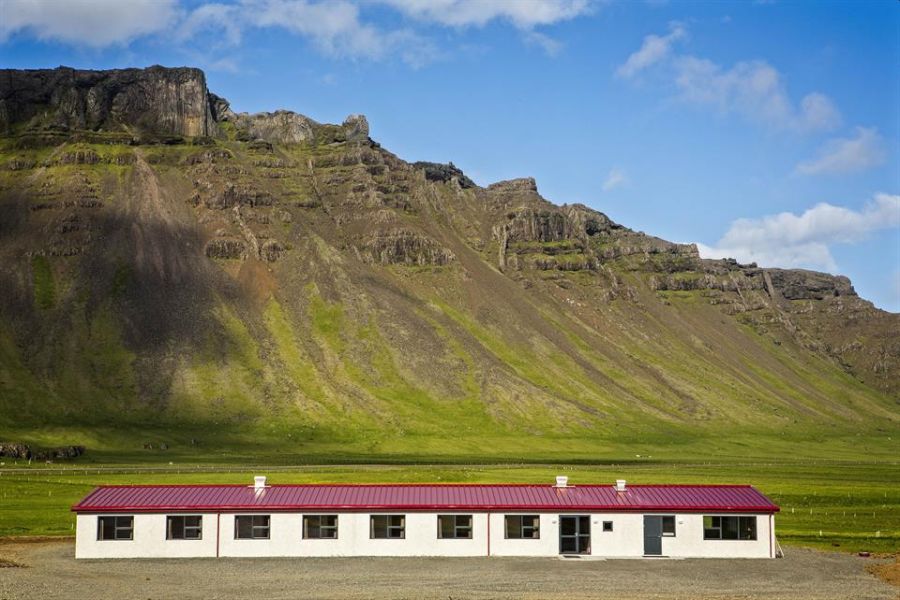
42, 280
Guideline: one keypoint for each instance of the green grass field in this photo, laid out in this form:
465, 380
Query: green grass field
837, 505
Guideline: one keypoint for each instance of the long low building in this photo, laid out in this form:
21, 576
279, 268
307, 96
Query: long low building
618, 520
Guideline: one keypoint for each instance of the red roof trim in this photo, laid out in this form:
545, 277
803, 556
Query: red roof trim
426, 497
423, 507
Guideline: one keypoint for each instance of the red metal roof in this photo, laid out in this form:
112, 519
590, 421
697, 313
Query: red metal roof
412, 497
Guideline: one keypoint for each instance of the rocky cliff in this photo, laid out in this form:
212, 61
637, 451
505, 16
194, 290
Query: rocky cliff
155, 100
164, 259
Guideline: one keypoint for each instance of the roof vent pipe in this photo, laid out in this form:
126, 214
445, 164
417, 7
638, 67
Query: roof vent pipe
562, 481
259, 482
620, 485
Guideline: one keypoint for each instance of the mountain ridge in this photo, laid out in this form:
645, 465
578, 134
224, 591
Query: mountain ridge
168, 258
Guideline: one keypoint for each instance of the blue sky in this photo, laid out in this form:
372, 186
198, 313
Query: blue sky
764, 131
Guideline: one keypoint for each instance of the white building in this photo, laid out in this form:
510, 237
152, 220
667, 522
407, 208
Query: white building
425, 520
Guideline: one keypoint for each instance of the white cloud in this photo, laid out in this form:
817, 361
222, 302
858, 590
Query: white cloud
754, 90
93, 23
847, 155
337, 28
790, 240
654, 49
615, 178
334, 27
521, 13
550, 46
223, 19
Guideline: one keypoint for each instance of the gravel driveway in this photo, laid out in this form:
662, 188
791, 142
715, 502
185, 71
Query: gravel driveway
50, 571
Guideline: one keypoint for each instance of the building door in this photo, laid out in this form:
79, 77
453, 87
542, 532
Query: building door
652, 535
574, 534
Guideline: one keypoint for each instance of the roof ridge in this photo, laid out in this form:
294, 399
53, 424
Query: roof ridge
423, 484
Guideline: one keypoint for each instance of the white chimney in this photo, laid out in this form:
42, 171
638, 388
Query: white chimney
259, 482
620, 485
562, 481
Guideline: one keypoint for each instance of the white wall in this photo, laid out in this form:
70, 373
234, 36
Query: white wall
149, 539
353, 538
286, 538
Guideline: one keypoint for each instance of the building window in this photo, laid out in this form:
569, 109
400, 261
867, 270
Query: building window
387, 527
729, 528
186, 527
318, 527
607, 526
115, 528
668, 526
251, 527
523, 527
455, 527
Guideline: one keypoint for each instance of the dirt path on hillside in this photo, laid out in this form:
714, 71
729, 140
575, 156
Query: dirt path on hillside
49, 572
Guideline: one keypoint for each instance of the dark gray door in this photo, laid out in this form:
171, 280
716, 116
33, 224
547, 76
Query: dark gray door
652, 535
574, 534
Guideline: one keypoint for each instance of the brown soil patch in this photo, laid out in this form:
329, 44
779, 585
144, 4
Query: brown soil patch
889, 572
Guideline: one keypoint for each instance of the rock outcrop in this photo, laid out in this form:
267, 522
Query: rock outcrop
23, 451
444, 172
521, 185
356, 128
282, 126
798, 284
404, 247
157, 100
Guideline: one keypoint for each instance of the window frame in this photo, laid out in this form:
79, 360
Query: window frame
116, 528
535, 530
721, 528
671, 519
388, 527
456, 526
607, 527
321, 527
253, 527
184, 528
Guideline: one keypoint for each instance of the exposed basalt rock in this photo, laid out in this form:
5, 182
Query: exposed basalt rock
282, 126
444, 172
514, 186
287, 127
237, 195
219, 107
79, 157
404, 247
63, 452
631, 243
562, 262
271, 250
798, 284
14, 450
356, 128
589, 221
721, 266
157, 100
212, 155
536, 225
19, 164
228, 248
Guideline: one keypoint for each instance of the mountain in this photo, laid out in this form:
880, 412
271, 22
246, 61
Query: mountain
170, 265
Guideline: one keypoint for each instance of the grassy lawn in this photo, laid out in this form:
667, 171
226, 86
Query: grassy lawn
847, 506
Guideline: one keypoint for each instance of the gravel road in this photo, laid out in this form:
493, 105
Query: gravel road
49, 571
